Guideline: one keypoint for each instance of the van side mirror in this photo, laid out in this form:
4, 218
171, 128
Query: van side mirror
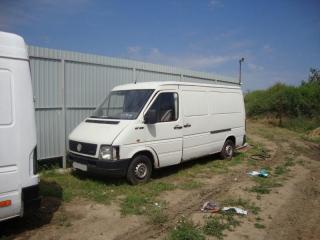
150, 117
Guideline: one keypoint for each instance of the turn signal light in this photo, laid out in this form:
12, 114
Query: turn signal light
5, 203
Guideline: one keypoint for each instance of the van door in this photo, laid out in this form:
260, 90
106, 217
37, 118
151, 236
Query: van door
165, 136
196, 122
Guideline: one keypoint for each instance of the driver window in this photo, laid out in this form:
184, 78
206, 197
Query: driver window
166, 106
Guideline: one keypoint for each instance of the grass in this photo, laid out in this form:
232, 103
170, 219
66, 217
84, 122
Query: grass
138, 199
259, 225
215, 225
186, 230
189, 185
301, 124
284, 168
157, 214
264, 185
63, 220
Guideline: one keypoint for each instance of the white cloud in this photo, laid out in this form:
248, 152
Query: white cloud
192, 61
255, 67
133, 50
267, 48
215, 3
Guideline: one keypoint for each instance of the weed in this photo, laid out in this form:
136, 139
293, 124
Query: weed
63, 220
215, 226
289, 162
186, 230
281, 169
237, 159
259, 225
135, 204
264, 185
188, 185
260, 189
157, 215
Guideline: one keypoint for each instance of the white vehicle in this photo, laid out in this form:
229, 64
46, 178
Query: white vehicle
18, 153
149, 125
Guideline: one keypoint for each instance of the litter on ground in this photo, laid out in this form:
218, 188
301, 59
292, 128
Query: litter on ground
210, 207
237, 210
261, 173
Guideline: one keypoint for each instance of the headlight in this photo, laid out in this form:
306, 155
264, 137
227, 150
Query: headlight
105, 152
109, 152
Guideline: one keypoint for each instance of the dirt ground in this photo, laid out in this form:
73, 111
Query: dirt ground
290, 211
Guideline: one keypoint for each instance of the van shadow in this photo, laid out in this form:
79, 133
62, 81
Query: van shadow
170, 170
98, 177
157, 174
51, 194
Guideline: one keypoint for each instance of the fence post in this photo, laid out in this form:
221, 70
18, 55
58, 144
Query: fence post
134, 75
63, 117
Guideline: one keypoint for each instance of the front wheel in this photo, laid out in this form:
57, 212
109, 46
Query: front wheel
139, 170
227, 150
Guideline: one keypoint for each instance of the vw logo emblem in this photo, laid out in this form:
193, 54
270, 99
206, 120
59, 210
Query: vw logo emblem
79, 147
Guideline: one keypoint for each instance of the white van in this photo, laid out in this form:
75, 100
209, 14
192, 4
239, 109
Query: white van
18, 153
149, 125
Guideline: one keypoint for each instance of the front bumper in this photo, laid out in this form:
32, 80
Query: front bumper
106, 167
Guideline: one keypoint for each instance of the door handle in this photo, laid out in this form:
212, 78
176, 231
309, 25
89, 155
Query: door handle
187, 125
177, 127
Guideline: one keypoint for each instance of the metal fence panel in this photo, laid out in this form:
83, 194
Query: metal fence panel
49, 139
148, 76
88, 84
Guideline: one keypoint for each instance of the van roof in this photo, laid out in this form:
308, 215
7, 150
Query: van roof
154, 85
12, 46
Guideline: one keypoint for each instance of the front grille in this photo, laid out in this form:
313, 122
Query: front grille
85, 148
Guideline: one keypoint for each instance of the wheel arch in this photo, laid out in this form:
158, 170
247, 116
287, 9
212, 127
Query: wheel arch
232, 138
149, 152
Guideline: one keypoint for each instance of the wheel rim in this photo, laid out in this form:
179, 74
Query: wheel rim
229, 150
141, 170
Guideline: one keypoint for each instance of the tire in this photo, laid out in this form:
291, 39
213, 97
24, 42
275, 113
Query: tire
139, 170
227, 150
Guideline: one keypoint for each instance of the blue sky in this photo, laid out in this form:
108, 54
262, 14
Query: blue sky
280, 40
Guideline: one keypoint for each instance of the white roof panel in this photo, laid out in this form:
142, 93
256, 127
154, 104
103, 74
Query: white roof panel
13, 46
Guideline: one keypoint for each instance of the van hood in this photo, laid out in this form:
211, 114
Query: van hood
98, 131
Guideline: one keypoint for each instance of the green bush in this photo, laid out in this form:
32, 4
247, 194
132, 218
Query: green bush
288, 102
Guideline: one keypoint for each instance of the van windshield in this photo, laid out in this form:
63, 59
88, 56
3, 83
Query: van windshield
125, 104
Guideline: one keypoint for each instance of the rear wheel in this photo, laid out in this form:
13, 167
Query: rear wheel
228, 149
139, 170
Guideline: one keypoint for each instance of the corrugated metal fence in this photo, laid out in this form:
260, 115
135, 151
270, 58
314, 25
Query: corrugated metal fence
67, 87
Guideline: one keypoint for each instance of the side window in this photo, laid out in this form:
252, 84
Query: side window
166, 106
6, 117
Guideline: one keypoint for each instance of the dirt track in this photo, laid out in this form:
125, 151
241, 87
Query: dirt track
291, 211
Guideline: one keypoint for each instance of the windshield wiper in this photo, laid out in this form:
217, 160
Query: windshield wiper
103, 117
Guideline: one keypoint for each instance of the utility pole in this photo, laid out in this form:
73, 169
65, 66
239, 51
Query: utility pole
240, 62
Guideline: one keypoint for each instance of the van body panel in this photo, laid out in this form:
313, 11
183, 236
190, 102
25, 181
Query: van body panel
98, 133
15, 209
17, 124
